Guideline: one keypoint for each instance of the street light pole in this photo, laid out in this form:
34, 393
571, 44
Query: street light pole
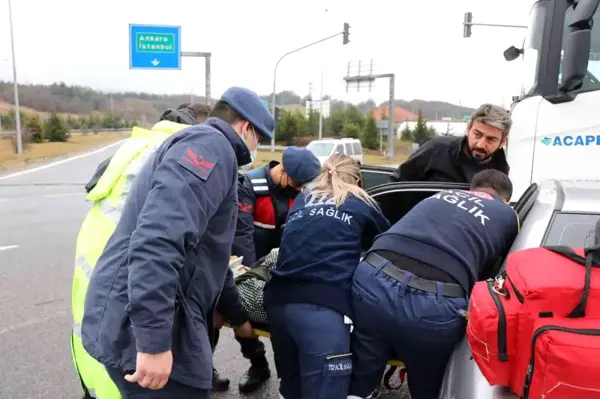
468, 23
275, 76
321, 106
16, 85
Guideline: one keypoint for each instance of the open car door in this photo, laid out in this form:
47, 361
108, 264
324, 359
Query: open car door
396, 199
375, 175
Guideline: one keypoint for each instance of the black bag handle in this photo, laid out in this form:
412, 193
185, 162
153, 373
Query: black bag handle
567, 252
259, 272
591, 259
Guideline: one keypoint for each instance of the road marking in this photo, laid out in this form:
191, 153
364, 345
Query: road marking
62, 195
33, 322
6, 248
36, 197
87, 154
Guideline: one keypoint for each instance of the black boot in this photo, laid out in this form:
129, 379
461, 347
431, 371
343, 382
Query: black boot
256, 375
219, 384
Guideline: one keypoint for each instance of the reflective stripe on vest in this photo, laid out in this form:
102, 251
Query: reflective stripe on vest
109, 198
260, 186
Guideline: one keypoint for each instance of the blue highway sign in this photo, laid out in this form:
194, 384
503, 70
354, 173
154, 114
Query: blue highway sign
154, 47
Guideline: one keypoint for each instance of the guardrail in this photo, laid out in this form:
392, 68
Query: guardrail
8, 133
5, 134
268, 147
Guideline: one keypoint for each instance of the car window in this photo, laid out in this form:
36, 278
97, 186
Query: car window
348, 148
571, 229
397, 199
319, 148
339, 149
357, 148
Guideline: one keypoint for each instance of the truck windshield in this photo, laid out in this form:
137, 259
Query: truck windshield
590, 81
532, 47
320, 149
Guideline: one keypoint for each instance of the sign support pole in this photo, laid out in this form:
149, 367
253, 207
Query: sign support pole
358, 79
206, 57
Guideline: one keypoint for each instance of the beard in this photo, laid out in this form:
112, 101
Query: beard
480, 154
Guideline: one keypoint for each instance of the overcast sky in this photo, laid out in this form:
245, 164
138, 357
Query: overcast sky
86, 43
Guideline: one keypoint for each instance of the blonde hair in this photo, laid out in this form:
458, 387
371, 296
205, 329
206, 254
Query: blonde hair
339, 178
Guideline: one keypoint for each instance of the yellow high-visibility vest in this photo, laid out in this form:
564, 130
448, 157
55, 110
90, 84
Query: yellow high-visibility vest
108, 198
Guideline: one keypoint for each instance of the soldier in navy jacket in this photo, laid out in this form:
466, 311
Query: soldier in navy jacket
265, 197
149, 306
308, 297
410, 290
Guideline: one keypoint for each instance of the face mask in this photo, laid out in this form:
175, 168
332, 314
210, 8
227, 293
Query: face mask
251, 164
288, 191
248, 166
252, 139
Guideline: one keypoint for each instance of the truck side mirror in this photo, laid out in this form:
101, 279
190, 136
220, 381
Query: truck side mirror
577, 44
512, 53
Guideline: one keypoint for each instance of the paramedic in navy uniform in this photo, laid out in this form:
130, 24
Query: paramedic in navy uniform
308, 297
150, 301
265, 197
414, 280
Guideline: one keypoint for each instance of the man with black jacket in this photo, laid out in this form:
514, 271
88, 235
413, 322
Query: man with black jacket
457, 159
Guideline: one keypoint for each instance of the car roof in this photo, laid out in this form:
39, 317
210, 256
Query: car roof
343, 140
572, 195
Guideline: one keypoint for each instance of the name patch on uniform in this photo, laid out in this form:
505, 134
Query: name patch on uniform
321, 206
338, 366
467, 201
200, 164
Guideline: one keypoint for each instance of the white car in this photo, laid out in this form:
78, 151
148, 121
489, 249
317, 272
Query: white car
325, 148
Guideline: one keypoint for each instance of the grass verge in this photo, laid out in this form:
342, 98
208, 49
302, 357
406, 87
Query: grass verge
34, 153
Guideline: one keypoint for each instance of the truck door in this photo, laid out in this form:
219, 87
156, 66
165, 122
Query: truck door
568, 134
556, 133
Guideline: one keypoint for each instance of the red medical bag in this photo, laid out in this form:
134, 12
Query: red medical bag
536, 327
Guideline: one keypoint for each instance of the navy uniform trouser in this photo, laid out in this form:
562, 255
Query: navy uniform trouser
311, 345
252, 349
391, 317
171, 390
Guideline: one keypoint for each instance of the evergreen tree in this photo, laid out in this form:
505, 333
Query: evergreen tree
422, 132
371, 133
351, 130
55, 128
33, 129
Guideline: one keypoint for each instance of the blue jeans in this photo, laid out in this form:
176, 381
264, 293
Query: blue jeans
391, 318
311, 344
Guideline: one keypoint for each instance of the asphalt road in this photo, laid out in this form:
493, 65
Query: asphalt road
41, 211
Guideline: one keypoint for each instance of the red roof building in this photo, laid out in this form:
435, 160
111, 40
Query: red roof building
400, 114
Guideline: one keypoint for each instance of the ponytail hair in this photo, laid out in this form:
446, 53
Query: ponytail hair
340, 177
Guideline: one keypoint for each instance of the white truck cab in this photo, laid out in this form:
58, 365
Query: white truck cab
556, 123
325, 148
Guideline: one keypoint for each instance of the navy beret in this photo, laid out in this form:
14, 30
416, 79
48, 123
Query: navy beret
300, 164
250, 107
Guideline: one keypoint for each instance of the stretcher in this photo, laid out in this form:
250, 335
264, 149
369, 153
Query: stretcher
262, 331
236, 266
